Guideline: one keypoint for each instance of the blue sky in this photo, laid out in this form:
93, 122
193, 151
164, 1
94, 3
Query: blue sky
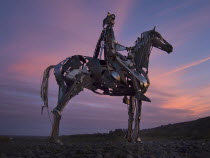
36, 34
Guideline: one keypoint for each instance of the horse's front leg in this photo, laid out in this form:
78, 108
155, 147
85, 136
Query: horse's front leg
138, 103
131, 109
136, 131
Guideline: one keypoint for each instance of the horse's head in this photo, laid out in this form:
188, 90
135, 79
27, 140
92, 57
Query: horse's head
155, 39
143, 45
159, 42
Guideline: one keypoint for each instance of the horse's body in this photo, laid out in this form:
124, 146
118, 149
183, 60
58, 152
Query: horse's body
78, 72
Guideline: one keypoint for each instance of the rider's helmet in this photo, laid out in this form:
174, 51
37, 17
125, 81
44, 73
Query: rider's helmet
109, 20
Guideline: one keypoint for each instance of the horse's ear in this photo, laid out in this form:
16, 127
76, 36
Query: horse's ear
154, 28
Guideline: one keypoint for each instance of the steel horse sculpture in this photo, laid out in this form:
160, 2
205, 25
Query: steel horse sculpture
116, 75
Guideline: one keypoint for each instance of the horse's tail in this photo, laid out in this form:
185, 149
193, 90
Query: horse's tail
44, 86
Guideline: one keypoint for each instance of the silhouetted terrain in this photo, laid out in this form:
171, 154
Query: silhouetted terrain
181, 140
198, 129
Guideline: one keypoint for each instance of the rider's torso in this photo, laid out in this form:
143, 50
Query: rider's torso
109, 41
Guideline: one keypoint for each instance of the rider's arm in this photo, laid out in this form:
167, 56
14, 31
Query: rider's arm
119, 47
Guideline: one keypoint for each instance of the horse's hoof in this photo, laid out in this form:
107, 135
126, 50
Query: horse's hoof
59, 142
55, 141
138, 140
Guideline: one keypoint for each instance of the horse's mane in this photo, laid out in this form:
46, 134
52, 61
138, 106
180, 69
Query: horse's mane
138, 49
142, 37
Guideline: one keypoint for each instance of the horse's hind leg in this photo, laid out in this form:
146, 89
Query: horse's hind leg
65, 94
57, 115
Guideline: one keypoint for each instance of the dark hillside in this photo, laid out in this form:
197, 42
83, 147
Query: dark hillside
197, 129
192, 130
180, 140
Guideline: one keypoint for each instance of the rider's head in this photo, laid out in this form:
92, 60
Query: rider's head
109, 20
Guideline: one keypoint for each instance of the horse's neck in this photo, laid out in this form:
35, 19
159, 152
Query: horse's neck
142, 53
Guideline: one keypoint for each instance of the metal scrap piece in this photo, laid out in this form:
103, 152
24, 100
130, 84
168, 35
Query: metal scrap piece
72, 74
95, 68
115, 75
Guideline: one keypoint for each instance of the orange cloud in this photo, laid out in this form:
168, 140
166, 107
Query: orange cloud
179, 96
32, 66
197, 101
173, 93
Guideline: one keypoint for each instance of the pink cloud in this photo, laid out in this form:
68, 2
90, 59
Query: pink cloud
180, 96
197, 101
122, 10
34, 55
184, 67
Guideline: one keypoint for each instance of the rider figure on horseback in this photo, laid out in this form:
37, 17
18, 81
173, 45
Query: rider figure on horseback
116, 60
108, 43
115, 75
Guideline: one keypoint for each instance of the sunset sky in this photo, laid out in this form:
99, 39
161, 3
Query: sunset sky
36, 34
